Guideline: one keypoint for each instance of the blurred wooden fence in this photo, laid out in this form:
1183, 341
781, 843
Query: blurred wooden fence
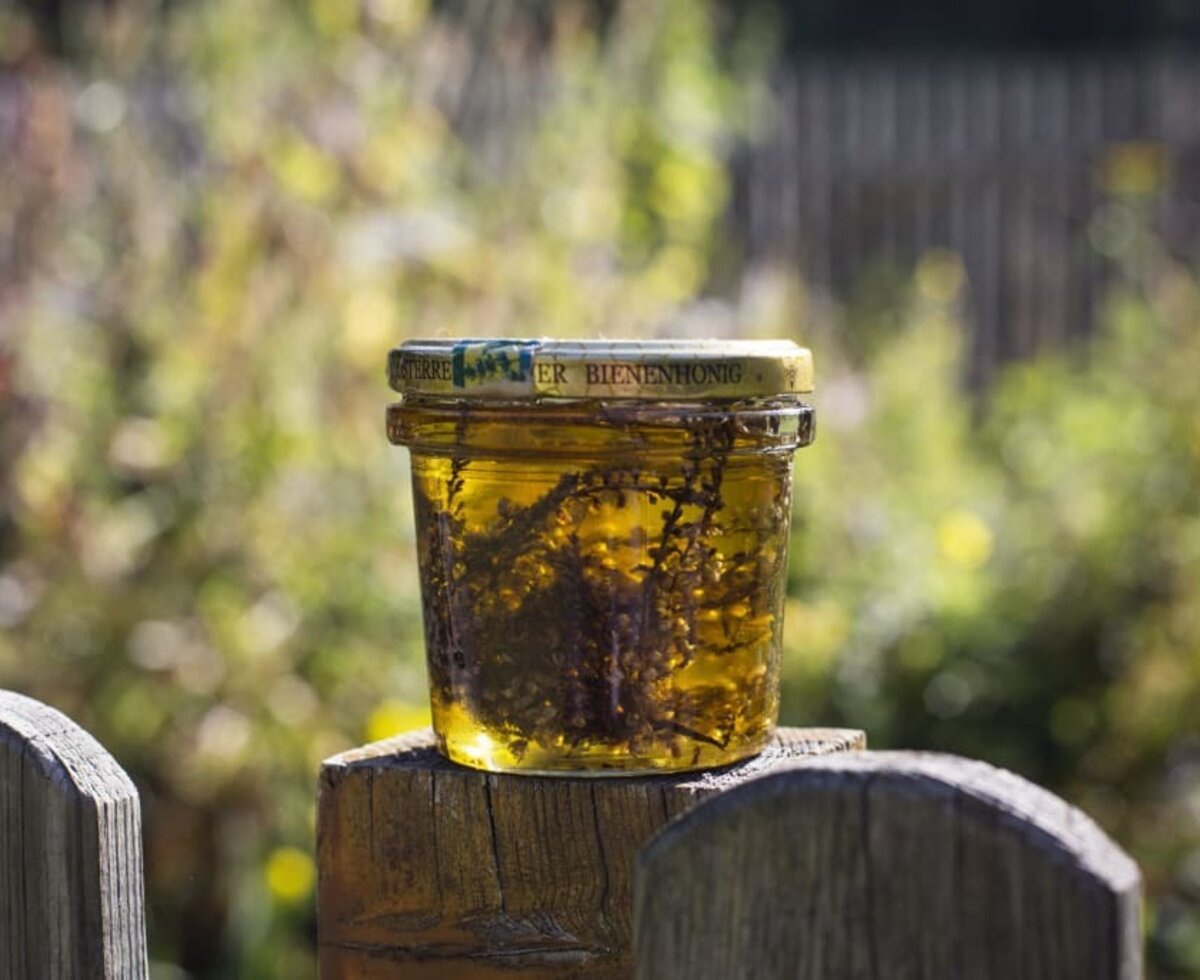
1005, 160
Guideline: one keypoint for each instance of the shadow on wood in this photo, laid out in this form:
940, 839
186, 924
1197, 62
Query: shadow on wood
431, 870
71, 903
890, 864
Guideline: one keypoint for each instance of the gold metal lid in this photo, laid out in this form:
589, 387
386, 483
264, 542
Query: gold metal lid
646, 369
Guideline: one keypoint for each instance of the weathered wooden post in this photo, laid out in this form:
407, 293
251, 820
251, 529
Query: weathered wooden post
888, 864
71, 904
428, 869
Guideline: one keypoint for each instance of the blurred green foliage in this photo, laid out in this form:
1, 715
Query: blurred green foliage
216, 219
1018, 580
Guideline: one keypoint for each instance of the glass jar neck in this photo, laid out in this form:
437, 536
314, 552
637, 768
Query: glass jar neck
567, 427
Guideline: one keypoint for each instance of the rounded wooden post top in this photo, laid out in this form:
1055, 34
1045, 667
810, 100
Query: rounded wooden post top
886, 864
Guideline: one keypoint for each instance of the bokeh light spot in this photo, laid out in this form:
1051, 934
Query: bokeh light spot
393, 717
964, 540
290, 874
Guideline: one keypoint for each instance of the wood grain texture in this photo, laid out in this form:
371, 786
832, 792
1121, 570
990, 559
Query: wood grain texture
428, 869
886, 865
71, 902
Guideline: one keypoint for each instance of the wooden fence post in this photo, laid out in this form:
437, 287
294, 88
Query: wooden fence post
431, 870
889, 864
71, 903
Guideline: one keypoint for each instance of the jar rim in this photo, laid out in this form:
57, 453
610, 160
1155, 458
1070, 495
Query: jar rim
677, 370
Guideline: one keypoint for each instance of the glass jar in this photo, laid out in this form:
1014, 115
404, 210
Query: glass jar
602, 537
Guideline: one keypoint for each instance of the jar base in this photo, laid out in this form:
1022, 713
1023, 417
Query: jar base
487, 754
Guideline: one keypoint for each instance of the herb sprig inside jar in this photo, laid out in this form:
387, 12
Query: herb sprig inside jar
602, 533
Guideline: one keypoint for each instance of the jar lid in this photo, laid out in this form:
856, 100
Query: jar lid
646, 369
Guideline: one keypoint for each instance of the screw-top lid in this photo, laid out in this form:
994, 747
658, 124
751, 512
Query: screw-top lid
645, 369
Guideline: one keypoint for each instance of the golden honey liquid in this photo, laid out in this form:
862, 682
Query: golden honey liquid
602, 595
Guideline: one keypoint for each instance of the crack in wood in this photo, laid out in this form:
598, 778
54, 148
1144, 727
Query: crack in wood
491, 815
602, 904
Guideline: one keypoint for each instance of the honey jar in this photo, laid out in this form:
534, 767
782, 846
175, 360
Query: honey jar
602, 538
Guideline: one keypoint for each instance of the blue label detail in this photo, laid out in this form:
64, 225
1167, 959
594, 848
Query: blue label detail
457, 355
474, 362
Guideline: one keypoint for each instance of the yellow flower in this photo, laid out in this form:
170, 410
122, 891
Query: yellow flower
369, 324
1135, 169
334, 18
401, 17
393, 717
305, 169
290, 874
814, 632
940, 276
964, 539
